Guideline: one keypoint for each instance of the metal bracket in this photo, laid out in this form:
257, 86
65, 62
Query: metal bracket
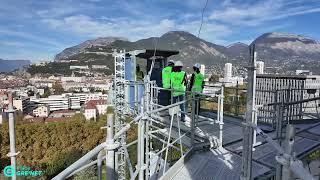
13, 154
112, 146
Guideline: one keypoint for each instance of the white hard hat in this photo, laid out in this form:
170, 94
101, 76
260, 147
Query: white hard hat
170, 61
178, 63
197, 65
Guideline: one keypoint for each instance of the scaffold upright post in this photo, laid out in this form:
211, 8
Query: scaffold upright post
246, 173
288, 148
220, 101
110, 161
12, 136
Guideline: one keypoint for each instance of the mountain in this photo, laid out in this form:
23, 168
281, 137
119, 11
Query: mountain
10, 65
237, 50
103, 41
192, 49
277, 46
284, 50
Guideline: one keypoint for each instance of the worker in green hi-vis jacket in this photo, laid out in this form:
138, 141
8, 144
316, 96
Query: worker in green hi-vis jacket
166, 83
178, 84
196, 83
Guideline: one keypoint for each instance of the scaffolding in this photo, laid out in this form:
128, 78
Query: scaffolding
164, 143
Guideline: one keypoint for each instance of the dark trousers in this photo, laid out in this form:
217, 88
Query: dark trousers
164, 97
182, 106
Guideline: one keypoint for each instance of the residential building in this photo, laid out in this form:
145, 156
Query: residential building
90, 112
73, 79
260, 67
94, 108
79, 67
62, 113
202, 69
55, 102
228, 70
99, 67
74, 102
41, 111
228, 79
21, 104
1, 118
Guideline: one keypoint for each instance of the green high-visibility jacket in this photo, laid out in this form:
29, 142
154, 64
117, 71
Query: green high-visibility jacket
139, 75
197, 83
166, 77
177, 83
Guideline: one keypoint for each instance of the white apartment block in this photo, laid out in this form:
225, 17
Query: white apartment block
55, 102
42, 111
228, 79
94, 108
73, 79
21, 104
90, 113
75, 102
79, 67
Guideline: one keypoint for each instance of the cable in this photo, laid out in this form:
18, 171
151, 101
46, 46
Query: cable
204, 8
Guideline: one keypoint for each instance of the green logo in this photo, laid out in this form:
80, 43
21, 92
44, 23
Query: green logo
8, 171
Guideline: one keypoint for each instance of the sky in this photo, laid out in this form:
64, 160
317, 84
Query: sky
39, 29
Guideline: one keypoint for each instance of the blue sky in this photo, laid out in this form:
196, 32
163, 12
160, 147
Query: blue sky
38, 29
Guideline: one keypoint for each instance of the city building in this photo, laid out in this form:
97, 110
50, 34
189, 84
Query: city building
75, 102
62, 113
303, 72
202, 69
286, 88
260, 67
55, 102
73, 79
228, 79
99, 67
79, 67
41, 111
21, 104
90, 111
94, 108
227, 71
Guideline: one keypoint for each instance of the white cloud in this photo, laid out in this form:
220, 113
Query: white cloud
30, 37
262, 11
12, 43
133, 29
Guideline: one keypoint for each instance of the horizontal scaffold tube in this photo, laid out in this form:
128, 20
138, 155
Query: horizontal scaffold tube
78, 164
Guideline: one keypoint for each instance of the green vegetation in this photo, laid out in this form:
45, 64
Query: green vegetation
57, 87
51, 68
52, 146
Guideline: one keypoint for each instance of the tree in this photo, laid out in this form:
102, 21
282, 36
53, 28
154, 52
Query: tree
46, 93
214, 78
57, 87
87, 174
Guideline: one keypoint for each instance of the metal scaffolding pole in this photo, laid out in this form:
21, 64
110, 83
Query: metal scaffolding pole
12, 135
288, 148
110, 159
220, 113
246, 173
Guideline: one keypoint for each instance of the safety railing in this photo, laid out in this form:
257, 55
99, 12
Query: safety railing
162, 138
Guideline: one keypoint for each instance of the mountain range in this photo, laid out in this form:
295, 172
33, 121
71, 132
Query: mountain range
275, 49
10, 65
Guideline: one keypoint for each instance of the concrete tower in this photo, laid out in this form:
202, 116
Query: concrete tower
260, 67
227, 70
202, 69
